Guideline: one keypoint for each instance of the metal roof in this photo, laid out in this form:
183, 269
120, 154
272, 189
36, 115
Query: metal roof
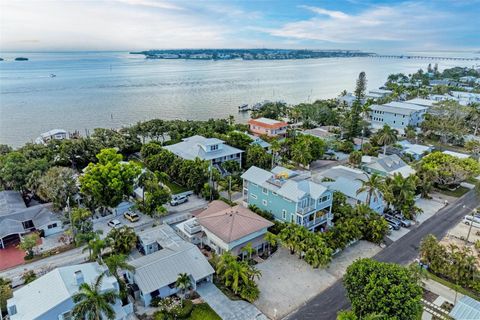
466, 309
49, 291
159, 269
294, 188
398, 107
194, 147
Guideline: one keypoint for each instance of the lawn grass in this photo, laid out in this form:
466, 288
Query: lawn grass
451, 285
203, 311
175, 188
457, 193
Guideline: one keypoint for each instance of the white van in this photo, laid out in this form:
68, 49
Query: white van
474, 220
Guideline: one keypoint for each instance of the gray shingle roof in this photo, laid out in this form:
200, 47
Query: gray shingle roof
39, 214
388, 163
10, 201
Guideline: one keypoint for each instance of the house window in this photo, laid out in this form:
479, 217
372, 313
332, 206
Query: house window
51, 226
28, 224
214, 147
265, 191
254, 196
264, 202
155, 293
284, 214
324, 198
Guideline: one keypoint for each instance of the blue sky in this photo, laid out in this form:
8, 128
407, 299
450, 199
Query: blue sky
378, 26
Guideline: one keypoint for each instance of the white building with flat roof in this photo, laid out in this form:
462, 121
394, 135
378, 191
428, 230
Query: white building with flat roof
397, 115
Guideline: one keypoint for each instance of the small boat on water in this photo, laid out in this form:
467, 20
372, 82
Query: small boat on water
21, 59
52, 75
243, 107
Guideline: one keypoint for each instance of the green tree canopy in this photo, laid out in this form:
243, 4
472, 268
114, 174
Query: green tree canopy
446, 169
383, 288
109, 180
58, 185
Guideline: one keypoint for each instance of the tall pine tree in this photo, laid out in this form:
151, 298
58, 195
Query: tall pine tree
354, 126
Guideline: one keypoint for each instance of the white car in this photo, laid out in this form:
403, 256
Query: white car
114, 223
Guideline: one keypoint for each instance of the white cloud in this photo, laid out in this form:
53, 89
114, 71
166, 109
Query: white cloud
330, 13
411, 22
104, 25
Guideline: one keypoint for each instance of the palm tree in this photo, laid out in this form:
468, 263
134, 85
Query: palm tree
95, 247
122, 240
93, 304
271, 240
115, 262
183, 283
275, 147
237, 272
224, 262
249, 250
372, 187
386, 136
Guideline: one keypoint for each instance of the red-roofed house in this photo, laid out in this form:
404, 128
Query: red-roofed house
269, 127
224, 228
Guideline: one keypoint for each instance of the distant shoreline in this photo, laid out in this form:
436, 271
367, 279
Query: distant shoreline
249, 54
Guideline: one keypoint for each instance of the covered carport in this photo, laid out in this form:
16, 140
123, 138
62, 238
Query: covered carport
10, 232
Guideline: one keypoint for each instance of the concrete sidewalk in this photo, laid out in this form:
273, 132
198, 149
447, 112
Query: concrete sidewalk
441, 290
228, 309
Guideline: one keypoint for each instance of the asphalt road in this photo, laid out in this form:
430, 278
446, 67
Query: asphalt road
326, 305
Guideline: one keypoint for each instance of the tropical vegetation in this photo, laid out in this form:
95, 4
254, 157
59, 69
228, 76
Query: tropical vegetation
383, 288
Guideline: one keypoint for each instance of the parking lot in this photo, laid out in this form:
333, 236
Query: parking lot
288, 282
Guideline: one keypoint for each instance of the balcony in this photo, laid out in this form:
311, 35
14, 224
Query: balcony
305, 210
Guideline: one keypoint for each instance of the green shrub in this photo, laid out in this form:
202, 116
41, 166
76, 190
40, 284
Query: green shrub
250, 291
161, 316
185, 311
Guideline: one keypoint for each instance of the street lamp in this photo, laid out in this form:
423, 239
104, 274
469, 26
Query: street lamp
474, 211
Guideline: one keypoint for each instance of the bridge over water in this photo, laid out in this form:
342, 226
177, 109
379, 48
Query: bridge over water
422, 57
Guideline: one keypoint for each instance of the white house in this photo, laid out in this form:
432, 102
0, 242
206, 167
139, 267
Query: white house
387, 165
397, 115
167, 255
50, 296
211, 149
55, 134
348, 181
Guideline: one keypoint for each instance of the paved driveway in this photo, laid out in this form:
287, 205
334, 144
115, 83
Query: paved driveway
288, 282
228, 309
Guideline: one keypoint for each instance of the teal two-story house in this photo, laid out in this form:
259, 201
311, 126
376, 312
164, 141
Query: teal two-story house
291, 196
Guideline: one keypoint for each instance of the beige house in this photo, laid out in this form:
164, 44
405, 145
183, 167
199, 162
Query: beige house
224, 228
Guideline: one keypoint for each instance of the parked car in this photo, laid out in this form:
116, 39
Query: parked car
403, 221
114, 223
474, 221
396, 225
176, 200
131, 216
